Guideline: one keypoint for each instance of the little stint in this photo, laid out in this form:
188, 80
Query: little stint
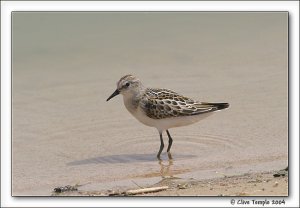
162, 108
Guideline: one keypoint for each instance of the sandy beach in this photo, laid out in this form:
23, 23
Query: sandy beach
270, 183
65, 65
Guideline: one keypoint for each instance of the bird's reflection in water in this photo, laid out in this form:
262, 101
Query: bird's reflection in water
165, 166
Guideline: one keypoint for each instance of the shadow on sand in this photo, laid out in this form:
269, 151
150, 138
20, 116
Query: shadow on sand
126, 158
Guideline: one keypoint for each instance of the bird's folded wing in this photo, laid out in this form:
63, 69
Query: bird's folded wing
163, 103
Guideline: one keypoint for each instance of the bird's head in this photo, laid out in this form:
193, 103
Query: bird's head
127, 85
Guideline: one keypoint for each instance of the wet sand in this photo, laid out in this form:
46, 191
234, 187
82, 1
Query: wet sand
65, 65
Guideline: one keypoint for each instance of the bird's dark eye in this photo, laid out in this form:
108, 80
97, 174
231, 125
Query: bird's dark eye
127, 84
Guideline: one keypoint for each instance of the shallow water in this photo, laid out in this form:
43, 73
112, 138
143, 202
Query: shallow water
65, 65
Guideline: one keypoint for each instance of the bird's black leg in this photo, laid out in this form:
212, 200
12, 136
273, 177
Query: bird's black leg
170, 141
161, 145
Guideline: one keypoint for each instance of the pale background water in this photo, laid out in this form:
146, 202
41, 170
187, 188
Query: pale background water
65, 65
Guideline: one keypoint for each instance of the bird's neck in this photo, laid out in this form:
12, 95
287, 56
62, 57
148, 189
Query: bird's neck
132, 100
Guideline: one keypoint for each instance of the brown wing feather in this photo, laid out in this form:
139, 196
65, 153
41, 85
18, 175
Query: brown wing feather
164, 103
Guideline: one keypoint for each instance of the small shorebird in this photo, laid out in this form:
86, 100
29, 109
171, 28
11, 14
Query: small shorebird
162, 108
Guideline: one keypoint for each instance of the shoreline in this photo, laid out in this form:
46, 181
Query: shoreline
267, 183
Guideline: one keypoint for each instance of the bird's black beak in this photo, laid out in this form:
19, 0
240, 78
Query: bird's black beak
114, 94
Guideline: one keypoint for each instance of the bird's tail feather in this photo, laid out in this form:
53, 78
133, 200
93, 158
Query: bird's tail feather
221, 106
